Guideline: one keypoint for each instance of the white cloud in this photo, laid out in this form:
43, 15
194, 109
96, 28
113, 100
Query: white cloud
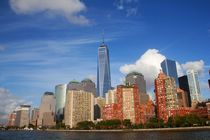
195, 65
148, 64
128, 5
8, 103
70, 9
131, 11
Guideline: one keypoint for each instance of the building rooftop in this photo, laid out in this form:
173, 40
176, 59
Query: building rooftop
74, 81
134, 73
87, 80
48, 93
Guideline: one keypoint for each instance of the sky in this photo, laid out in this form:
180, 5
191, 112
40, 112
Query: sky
44, 43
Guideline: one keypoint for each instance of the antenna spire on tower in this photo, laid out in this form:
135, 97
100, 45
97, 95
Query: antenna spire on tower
103, 36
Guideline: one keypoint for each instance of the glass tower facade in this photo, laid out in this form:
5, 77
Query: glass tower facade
60, 98
195, 93
169, 68
103, 71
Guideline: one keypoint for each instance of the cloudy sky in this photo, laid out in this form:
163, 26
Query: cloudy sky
47, 42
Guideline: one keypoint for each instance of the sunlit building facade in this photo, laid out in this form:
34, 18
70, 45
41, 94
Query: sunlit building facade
194, 86
79, 107
22, 116
47, 106
166, 96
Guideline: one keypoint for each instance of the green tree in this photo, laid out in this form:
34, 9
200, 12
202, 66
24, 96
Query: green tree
85, 125
127, 123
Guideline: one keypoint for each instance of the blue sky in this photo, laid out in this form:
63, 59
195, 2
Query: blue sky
44, 43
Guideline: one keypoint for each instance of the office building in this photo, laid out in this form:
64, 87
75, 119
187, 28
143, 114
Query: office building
194, 86
103, 71
169, 68
166, 96
11, 119
85, 85
89, 86
183, 84
74, 85
47, 106
22, 116
127, 105
60, 98
34, 116
138, 79
135, 78
79, 107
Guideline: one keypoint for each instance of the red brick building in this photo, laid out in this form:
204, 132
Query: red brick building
127, 106
166, 96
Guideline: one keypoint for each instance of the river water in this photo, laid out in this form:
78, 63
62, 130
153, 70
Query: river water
148, 135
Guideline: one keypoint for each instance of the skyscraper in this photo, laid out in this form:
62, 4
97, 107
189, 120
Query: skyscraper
166, 96
169, 68
138, 79
79, 107
103, 71
22, 116
194, 86
89, 86
47, 110
183, 84
60, 98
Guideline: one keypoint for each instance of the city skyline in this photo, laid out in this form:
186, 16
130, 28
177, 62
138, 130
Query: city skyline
42, 47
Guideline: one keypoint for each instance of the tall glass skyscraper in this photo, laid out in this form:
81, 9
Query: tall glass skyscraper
169, 68
103, 71
195, 93
60, 98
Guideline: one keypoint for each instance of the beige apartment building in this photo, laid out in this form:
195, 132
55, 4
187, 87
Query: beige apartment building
79, 107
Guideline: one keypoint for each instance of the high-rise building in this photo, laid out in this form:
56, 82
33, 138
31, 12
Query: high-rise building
47, 106
60, 98
166, 96
194, 86
169, 68
135, 78
103, 71
74, 85
138, 79
127, 105
79, 107
85, 85
183, 84
89, 86
22, 116
34, 116
11, 119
